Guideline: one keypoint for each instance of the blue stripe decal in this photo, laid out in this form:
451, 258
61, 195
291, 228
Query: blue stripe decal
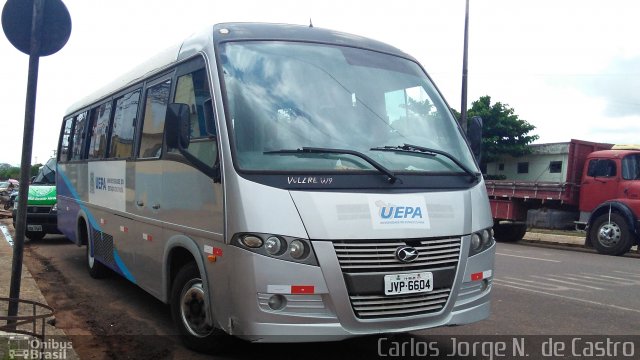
76, 197
123, 268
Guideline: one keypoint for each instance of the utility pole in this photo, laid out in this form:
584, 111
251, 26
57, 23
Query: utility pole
36, 28
463, 106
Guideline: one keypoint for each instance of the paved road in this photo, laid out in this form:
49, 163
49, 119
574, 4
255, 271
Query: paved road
542, 291
537, 291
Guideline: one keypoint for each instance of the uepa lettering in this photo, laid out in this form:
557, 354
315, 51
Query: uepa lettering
400, 212
101, 183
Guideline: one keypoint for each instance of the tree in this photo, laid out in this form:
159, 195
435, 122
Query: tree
503, 132
13, 172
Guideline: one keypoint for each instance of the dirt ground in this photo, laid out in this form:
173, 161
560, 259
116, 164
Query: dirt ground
95, 333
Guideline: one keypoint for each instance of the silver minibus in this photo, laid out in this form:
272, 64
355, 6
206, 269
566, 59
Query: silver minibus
269, 180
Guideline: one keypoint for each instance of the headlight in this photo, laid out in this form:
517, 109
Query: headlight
298, 250
274, 245
277, 246
481, 241
476, 242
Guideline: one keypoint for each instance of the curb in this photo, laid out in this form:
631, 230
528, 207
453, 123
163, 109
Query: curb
29, 290
565, 242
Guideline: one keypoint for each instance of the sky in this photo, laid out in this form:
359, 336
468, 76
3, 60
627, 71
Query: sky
570, 68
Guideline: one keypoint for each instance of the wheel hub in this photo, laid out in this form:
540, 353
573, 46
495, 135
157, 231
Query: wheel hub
609, 234
193, 309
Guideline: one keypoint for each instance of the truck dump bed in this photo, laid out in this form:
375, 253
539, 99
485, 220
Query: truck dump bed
508, 197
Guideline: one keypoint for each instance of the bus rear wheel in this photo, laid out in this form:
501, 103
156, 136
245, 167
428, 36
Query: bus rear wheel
96, 269
610, 235
190, 311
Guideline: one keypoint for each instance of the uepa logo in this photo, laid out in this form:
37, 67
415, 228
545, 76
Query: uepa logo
400, 212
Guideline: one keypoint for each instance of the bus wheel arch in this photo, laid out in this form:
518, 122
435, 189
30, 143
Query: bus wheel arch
189, 300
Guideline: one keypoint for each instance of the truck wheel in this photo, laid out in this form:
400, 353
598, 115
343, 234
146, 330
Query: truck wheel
34, 236
611, 237
189, 311
96, 269
509, 232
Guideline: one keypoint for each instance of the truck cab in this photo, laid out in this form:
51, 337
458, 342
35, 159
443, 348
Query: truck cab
610, 200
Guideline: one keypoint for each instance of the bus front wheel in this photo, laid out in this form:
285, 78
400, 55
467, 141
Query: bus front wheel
189, 310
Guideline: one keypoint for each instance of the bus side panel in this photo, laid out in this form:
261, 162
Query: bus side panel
71, 192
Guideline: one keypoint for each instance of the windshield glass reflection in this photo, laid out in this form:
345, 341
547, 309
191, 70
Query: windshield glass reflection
286, 96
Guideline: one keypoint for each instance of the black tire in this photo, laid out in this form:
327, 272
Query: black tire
97, 270
188, 310
509, 232
34, 236
611, 236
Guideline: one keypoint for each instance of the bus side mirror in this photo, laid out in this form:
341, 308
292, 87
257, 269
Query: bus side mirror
178, 126
474, 133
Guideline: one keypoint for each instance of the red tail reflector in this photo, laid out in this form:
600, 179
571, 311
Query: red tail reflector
302, 289
476, 276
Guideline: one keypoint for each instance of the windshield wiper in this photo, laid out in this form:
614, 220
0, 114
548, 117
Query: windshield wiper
311, 150
415, 149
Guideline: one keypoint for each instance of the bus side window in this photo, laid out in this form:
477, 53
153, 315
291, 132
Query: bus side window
193, 89
79, 132
153, 122
65, 144
100, 117
124, 125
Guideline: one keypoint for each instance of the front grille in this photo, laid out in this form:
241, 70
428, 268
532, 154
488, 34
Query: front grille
380, 306
365, 263
38, 209
368, 256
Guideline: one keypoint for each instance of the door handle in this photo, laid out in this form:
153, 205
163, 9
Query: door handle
155, 206
140, 203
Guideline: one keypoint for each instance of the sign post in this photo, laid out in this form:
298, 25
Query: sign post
37, 28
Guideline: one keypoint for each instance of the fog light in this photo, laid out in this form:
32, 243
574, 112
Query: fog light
277, 302
485, 285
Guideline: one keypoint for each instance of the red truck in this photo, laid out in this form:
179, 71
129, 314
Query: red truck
601, 191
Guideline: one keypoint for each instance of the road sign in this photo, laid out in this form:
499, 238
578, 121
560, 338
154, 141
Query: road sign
17, 20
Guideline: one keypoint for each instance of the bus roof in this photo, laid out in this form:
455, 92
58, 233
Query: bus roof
231, 32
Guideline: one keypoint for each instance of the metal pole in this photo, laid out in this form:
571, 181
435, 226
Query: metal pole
463, 106
25, 164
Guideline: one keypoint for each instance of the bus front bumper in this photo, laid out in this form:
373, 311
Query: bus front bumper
327, 313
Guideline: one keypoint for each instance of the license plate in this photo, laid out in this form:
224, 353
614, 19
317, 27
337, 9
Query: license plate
408, 283
34, 227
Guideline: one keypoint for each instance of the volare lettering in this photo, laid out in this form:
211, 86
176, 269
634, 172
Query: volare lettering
400, 212
308, 180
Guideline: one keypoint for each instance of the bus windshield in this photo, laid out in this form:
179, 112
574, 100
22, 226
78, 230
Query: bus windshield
291, 95
47, 173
